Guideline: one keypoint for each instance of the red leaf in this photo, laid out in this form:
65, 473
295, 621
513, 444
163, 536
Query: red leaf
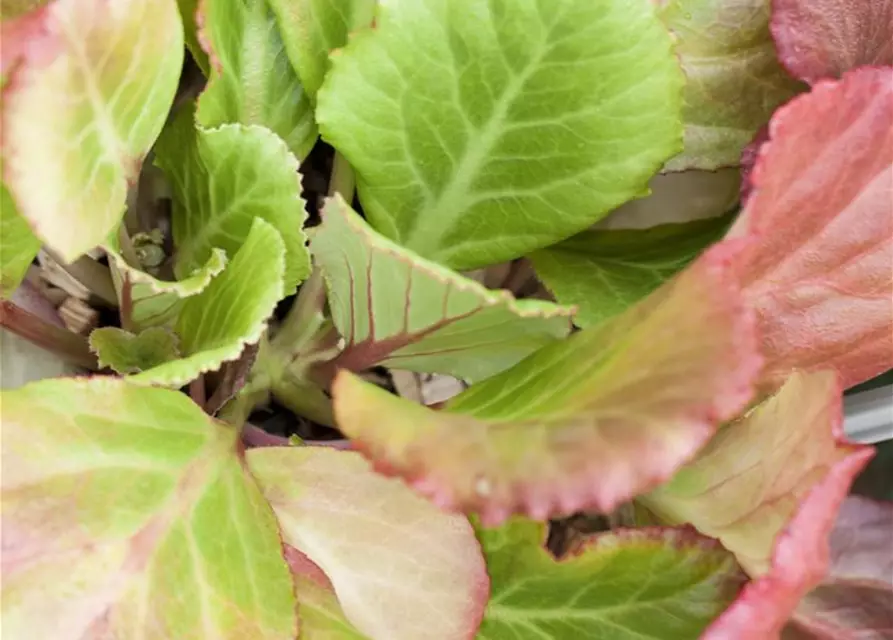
825, 38
822, 201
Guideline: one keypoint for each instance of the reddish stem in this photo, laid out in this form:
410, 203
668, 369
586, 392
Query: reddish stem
70, 346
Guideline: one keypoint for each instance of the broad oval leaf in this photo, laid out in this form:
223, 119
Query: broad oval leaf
629, 584
482, 130
733, 79
825, 38
603, 272
396, 309
126, 352
585, 423
18, 245
223, 179
747, 483
821, 193
252, 80
312, 29
856, 599
155, 302
216, 325
85, 100
127, 513
402, 569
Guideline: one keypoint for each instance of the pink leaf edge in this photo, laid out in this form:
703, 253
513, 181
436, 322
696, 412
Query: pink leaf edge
801, 557
595, 489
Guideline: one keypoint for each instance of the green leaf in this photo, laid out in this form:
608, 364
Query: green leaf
10, 9
733, 78
398, 310
88, 96
128, 513
312, 29
605, 271
402, 569
188, 12
157, 302
18, 245
252, 80
582, 424
232, 312
481, 130
126, 352
223, 179
648, 583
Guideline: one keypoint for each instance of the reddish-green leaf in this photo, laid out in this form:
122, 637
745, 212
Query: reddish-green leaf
745, 485
127, 513
822, 200
584, 423
88, 93
402, 569
825, 38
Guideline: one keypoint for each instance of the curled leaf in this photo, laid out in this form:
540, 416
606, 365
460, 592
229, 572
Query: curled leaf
746, 484
127, 513
251, 80
87, 95
402, 570
396, 309
820, 278
585, 423
232, 312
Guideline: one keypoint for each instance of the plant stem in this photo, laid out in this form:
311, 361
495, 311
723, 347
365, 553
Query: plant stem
69, 346
343, 181
254, 436
127, 250
197, 391
125, 312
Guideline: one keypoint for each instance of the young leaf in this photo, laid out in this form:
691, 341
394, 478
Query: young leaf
483, 130
252, 80
312, 29
157, 302
821, 280
399, 310
856, 599
402, 569
216, 325
733, 79
127, 513
638, 583
18, 246
223, 179
799, 561
825, 38
605, 271
83, 104
319, 614
585, 423
126, 352
745, 485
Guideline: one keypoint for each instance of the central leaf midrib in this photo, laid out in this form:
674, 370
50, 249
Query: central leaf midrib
433, 222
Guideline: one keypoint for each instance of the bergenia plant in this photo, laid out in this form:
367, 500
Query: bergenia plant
443, 319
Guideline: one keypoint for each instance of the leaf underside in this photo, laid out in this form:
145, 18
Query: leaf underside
398, 310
